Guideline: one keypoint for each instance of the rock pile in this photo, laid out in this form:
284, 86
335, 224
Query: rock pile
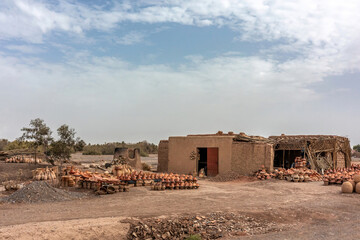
40, 191
209, 226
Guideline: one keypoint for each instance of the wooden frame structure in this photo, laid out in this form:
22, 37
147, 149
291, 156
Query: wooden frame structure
323, 151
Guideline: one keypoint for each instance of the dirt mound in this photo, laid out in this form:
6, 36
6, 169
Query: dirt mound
210, 226
40, 191
231, 176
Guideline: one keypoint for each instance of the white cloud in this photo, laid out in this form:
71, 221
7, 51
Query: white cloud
325, 29
28, 49
319, 39
103, 94
131, 38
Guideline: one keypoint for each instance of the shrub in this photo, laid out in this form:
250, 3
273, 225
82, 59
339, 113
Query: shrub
146, 167
193, 237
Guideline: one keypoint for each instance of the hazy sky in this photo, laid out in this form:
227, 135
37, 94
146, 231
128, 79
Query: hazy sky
136, 70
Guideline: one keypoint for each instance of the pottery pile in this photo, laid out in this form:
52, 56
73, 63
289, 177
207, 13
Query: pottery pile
11, 185
175, 182
123, 176
302, 174
20, 159
84, 179
340, 175
121, 170
351, 185
44, 173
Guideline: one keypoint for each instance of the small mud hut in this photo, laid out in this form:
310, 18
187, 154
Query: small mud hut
215, 153
322, 151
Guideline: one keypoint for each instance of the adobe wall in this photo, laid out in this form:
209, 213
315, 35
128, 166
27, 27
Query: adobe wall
183, 149
163, 156
340, 160
247, 157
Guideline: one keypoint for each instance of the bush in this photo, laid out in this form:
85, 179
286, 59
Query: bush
193, 237
146, 167
109, 148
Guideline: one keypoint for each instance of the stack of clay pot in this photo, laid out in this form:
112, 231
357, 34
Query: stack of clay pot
85, 179
44, 173
340, 175
297, 175
262, 174
11, 185
20, 159
300, 162
292, 175
124, 169
351, 186
176, 182
68, 181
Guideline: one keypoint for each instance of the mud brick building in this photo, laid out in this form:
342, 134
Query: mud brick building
224, 152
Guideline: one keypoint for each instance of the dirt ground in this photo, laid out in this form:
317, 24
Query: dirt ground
298, 210
301, 210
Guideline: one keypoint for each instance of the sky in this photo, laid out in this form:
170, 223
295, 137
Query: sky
146, 70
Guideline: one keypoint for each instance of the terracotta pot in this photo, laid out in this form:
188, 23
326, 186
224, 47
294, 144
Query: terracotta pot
295, 178
357, 187
347, 187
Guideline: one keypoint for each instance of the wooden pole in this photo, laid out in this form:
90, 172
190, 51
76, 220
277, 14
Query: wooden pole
283, 165
335, 155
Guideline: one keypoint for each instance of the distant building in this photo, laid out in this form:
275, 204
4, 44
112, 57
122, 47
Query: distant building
220, 153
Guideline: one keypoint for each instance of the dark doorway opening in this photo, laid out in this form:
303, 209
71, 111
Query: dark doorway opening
209, 160
285, 158
202, 163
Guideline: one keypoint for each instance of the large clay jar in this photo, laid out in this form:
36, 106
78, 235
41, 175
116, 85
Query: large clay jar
357, 188
347, 187
353, 183
356, 178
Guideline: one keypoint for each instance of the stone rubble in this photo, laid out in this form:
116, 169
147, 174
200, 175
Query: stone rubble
209, 226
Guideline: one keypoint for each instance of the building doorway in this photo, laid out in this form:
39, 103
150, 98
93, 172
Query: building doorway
285, 158
209, 161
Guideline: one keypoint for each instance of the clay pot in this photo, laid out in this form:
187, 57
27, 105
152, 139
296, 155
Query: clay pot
353, 183
356, 178
347, 187
357, 188
295, 178
301, 178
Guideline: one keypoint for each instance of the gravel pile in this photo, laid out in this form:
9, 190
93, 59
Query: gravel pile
40, 191
209, 226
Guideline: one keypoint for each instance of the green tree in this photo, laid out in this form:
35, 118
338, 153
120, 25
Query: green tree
16, 144
357, 148
79, 145
38, 134
61, 149
3, 144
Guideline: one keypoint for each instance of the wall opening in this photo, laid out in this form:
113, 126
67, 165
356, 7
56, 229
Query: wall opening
285, 158
202, 161
209, 160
